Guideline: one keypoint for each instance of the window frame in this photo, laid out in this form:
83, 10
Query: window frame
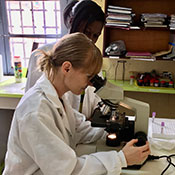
5, 35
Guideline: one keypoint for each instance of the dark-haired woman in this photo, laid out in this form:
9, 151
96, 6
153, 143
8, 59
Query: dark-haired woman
83, 16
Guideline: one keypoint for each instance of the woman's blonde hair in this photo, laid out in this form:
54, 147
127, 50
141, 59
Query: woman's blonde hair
76, 48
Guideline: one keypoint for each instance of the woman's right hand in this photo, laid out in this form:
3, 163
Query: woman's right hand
135, 155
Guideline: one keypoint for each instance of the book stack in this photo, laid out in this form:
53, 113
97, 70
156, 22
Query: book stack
120, 17
172, 22
154, 19
147, 56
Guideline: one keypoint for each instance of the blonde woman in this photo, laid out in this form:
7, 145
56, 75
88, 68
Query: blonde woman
45, 129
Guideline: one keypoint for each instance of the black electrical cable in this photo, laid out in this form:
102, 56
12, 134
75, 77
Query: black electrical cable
168, 158
172, 155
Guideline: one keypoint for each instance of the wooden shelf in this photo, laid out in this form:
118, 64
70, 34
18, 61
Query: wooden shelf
145, 39
125, 58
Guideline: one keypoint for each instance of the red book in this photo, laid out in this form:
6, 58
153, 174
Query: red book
138, 54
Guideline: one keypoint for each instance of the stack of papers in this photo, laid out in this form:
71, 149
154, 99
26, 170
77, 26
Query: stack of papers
120, 17
154, 19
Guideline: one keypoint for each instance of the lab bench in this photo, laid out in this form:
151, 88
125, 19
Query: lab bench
11, 92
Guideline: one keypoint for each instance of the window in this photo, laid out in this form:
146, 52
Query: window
23, 22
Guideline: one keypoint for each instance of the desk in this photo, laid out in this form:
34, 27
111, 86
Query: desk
154, 167
11, 92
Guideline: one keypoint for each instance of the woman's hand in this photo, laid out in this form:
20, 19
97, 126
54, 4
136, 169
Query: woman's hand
135, 155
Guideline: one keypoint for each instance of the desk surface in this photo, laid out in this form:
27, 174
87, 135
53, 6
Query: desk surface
9, 88
11, 92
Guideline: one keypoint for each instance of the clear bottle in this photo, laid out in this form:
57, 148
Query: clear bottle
17, 69
131, 80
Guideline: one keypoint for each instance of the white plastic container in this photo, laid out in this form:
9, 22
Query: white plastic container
131, 80
17, 69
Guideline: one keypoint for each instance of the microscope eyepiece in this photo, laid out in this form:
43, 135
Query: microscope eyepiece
98, 82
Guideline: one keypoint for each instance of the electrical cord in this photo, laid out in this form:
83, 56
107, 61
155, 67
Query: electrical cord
168, 158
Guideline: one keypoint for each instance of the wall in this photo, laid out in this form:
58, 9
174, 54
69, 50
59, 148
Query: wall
136, 66
100, 39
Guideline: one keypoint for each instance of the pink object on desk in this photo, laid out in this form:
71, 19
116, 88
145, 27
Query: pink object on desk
162, 126
130, 54
153, 116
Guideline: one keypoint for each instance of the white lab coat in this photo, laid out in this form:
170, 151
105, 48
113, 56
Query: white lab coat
90, 99
44, 134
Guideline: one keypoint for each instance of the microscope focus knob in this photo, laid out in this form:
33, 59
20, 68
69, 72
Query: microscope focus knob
142, 138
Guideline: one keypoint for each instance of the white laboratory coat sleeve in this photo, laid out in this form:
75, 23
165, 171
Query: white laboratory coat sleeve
90, 102
84, 132
111, 161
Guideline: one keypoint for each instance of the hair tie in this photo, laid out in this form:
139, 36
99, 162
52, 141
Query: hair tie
51, 60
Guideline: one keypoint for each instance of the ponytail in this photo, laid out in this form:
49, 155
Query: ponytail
45, 63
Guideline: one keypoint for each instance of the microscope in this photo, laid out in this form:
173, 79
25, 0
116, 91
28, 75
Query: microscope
118, 126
